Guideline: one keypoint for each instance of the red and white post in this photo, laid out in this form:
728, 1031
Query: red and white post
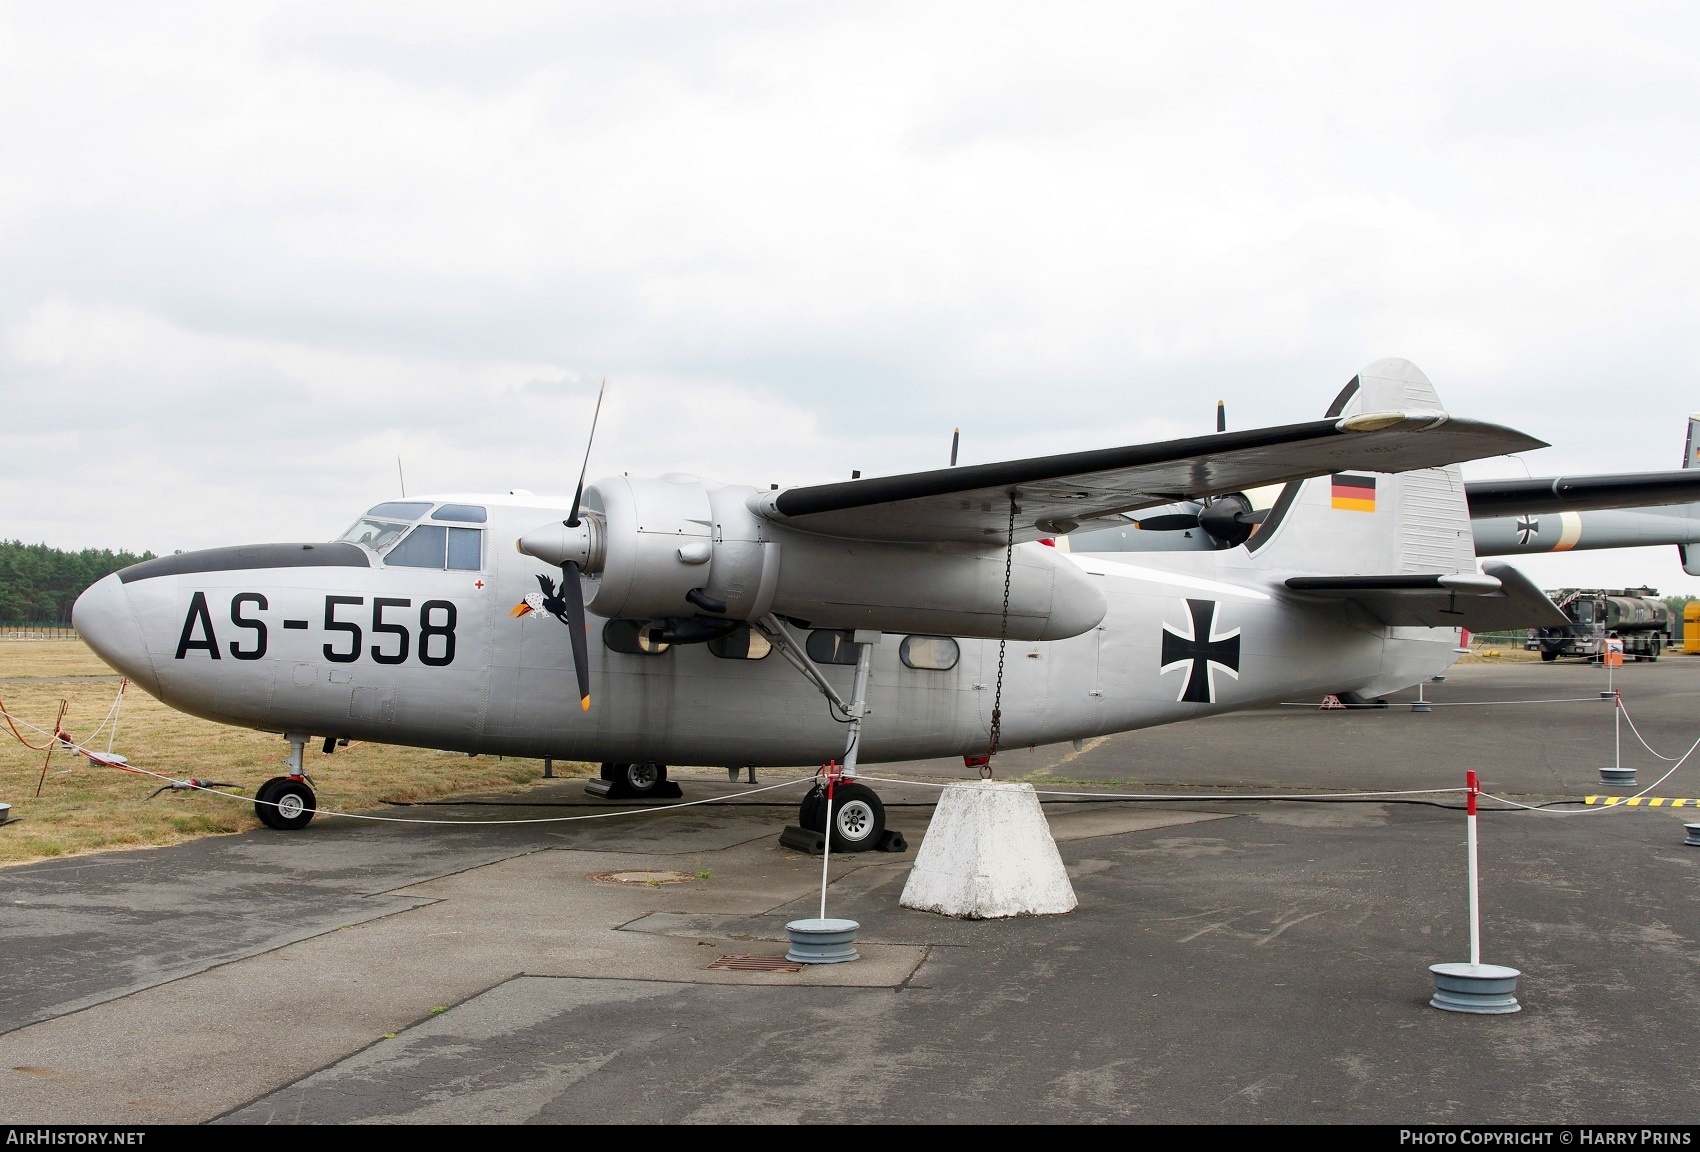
1472, 788
1482, 989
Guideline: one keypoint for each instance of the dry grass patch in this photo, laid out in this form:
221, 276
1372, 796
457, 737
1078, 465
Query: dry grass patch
1483, 654
87, 809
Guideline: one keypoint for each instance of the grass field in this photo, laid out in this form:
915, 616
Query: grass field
87, 809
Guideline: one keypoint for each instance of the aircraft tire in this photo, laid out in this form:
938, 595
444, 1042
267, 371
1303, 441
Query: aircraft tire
858, 818
811, 813
1548, 656
263, 801
644, 779
292, 805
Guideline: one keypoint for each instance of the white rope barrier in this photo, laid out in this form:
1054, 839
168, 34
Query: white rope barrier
193, 786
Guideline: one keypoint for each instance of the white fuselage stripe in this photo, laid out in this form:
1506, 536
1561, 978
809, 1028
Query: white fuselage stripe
1097, 565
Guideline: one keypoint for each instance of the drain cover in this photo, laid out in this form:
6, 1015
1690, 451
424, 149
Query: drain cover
642, 876
756, 964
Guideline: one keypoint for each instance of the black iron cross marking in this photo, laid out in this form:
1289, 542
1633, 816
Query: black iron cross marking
1201, 651
1527, 526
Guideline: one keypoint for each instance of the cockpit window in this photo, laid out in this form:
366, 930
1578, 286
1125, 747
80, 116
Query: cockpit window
465, 513
434, 546
374, 534
401, 510
423, 548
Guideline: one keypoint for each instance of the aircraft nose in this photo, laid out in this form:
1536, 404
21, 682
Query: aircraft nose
103, 618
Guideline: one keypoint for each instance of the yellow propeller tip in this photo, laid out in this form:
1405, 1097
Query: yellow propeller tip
584, 704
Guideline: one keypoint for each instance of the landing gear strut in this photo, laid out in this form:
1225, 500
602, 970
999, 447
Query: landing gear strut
287, 802
858, 817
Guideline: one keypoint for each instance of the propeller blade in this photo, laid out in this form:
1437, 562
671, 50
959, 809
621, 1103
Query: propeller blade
573, 593
1221, 416
1179, 522
572, 520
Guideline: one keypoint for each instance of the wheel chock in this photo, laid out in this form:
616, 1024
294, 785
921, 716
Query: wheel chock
891, 840
803, 840
618, 790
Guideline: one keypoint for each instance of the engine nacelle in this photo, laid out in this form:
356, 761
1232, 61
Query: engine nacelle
658, 545
680, 546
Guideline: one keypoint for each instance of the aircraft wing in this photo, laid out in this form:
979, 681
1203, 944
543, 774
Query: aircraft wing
1055, 494
1501, 597
1581, 493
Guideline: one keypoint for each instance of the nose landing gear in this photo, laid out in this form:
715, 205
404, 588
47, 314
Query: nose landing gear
287, 802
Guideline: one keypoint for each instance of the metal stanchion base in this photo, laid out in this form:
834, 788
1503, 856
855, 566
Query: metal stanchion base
1617, 777
1693, 831
1483, 989
1421, 706
817, 941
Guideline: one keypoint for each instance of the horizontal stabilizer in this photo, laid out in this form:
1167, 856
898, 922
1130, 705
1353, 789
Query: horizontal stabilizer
1581, 493
1500, 597
1056, 494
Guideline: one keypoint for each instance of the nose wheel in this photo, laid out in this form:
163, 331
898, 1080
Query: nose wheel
285, 804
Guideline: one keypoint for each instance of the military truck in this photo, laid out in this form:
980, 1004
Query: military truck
1634, 615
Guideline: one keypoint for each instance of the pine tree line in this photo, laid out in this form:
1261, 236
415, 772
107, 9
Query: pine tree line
39, 584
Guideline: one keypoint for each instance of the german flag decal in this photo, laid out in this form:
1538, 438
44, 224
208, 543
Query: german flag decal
1353, 492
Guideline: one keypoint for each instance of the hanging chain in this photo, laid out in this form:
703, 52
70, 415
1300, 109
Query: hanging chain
1003, 644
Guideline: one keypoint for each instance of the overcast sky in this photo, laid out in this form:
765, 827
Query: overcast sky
249, 253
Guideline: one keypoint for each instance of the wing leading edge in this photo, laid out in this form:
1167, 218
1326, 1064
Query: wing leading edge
1055, 494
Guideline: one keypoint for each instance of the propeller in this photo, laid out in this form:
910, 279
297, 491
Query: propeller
568, 607
1169, 522
1228, 520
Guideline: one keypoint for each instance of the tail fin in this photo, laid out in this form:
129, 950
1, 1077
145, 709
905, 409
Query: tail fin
1689, 554
1368, 523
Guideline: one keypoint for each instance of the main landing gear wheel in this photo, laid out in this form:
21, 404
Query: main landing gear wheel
645, 780
285, 804
858, 817
638, 780
1548, 656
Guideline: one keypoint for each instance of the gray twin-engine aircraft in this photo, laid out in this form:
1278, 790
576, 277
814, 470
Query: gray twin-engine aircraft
723, 624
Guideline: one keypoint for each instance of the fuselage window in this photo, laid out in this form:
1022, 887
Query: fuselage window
463, 513
932, 653
744, 643
829, 646
633, 637
434, 546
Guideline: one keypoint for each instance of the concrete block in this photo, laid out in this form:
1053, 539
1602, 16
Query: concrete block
989, 853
